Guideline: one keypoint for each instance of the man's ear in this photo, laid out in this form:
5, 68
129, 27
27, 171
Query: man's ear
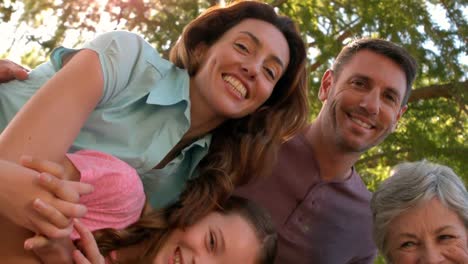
326, 85
400, 113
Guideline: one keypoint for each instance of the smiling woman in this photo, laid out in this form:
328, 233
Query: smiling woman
421, 215
233, 93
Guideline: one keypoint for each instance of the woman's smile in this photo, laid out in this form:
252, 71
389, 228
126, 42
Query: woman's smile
236, 85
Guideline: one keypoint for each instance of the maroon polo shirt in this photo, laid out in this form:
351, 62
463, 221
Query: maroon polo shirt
317, 221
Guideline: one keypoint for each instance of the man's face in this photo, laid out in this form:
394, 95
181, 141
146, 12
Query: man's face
363, 104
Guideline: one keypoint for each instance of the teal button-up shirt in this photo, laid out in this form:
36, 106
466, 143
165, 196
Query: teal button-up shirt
142, 115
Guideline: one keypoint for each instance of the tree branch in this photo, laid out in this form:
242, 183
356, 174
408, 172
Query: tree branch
374, 159
346, 33
454, 16
448, 90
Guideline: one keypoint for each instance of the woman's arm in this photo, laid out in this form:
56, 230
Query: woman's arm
50, 121
45, 128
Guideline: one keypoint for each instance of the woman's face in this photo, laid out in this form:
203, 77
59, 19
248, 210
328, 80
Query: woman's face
430, 233
237, 73
217, 238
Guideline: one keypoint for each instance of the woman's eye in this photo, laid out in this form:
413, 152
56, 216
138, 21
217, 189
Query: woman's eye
212, 241
407, 244
445, 237
270, 72
241, 47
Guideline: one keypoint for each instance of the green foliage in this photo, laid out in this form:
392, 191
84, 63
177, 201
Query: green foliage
433, 128
379, 260
33, 58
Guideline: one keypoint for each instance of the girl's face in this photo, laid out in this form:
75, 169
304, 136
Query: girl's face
216, 238
237, 73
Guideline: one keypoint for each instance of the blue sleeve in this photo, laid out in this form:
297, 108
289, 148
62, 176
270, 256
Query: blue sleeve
119, 52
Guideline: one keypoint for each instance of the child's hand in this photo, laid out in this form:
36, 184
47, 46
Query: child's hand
66, 190
90, 253
58, 212
51, 251
20, 188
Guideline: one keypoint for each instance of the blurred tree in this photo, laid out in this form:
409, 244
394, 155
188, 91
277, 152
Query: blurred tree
435, 126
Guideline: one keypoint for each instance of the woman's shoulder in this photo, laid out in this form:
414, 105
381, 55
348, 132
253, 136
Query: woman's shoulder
131, 45
120, 34
125, 39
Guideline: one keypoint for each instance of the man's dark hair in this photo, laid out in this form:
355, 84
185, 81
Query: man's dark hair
386, 48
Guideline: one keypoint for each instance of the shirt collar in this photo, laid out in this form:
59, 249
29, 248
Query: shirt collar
173, 88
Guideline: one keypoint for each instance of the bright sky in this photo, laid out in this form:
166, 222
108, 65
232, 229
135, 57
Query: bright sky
16, 38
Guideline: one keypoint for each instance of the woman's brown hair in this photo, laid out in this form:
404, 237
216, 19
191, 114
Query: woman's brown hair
244, 147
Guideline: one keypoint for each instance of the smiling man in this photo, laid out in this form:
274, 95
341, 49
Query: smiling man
318, 201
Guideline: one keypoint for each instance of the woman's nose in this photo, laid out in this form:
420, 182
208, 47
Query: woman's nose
250, 69
432, 255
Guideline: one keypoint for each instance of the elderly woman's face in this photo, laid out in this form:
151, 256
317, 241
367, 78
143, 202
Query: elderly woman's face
430, 233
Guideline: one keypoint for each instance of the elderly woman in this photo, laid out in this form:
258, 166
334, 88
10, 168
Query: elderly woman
420, 215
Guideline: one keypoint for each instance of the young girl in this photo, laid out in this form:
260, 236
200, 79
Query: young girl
235, 231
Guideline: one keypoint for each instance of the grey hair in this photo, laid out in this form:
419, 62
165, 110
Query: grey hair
411, 184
